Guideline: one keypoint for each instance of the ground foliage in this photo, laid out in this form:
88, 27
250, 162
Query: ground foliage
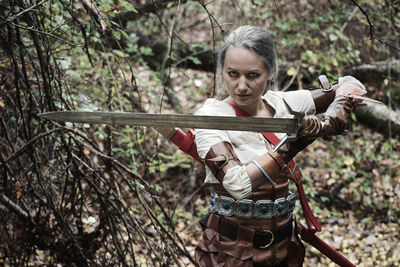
108, 195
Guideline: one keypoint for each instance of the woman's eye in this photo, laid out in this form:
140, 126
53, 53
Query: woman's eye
253, 75
233, 73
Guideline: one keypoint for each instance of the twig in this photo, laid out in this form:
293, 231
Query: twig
241, 10
27, 145
12, 206
212, 20
40, 31
372, 28
292, 79
25, 10
172, 33
189, 198
82, 27
91, 7
371, 25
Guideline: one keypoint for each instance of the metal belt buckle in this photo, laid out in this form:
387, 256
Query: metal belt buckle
244, 208
214, 202
226, 206
291, 202
280, 206
271, 241
264, 209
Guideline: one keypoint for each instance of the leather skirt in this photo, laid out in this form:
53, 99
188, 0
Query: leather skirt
217, 249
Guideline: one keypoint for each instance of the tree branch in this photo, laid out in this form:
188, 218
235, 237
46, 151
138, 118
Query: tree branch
13, 207
25, 10
149, 7
372, 27
96, 14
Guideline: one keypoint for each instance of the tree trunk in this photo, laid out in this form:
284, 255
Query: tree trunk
375, 71
380, 118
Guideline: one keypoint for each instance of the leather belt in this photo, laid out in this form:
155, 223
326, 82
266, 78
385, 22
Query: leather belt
261, 238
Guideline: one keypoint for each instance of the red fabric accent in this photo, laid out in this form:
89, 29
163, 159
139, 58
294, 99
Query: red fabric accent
186, 143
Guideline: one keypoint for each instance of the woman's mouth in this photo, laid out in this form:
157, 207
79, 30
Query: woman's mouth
242, 95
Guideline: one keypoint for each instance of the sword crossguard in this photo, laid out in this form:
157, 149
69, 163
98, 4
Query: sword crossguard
292, 136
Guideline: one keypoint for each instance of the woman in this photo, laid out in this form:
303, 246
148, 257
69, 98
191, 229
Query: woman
251, 221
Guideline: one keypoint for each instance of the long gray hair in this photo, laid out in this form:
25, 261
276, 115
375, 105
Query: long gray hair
254, 39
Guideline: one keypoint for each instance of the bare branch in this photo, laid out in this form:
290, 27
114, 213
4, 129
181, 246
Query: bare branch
13, 207
93, 10
372, 28
25, 10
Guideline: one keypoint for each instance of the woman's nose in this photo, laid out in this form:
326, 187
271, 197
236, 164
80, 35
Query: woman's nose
242, 83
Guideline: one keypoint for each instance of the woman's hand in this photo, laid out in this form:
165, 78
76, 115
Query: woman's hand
350, 85
336, 119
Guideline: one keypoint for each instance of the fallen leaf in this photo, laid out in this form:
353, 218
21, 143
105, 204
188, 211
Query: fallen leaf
18, 189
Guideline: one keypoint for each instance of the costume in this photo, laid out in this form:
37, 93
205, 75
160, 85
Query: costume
248, 226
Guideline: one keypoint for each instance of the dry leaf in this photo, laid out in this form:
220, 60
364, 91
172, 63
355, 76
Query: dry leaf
86, 151
18, 189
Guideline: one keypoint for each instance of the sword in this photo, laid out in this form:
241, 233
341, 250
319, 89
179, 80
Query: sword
250, 124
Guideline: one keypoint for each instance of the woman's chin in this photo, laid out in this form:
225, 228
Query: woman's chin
243, 102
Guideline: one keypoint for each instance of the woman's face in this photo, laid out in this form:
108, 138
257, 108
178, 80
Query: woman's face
245, 77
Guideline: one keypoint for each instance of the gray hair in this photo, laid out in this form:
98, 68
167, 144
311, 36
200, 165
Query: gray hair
254, 39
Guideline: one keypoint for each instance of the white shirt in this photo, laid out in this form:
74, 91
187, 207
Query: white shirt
248, 146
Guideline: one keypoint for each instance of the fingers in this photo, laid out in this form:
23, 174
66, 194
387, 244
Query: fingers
311, 126
350, 85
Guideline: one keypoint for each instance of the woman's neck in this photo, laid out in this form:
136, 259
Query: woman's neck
260, 109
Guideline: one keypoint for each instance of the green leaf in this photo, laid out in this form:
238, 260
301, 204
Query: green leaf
119, 53
128, 6
64, 63
195, 60
146, 51
333, 37
324, 199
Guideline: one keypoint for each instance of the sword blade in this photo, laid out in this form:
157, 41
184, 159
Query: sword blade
250, 124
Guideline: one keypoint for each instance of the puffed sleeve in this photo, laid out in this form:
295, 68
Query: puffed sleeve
236, 181
299, 101
205, 138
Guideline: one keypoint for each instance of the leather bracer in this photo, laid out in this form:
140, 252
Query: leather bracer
323, 98
336, 118
220, 158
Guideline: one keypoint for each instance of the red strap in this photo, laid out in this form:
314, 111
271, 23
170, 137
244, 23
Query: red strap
311, 221
310, 237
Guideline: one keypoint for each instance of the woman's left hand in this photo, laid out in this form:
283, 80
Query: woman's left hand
350, 85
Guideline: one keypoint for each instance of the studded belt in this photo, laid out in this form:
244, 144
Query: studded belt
246, 208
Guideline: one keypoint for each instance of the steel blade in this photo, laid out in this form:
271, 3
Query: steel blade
251, 124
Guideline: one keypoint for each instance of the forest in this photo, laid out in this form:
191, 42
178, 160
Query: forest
79, 194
